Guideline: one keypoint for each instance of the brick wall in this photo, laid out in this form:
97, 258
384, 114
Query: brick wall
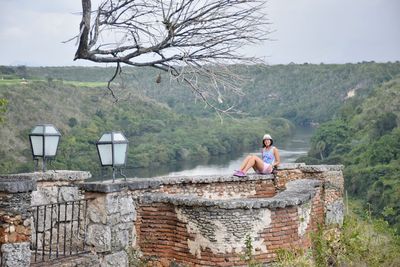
214, 233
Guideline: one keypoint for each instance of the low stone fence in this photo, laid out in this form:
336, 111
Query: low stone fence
205, 220
48, 210
203, 232
189, 221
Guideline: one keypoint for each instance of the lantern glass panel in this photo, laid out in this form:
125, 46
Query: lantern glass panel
38, 129
50, 130
105, 138
51, 143
37, 145
119, 137
105, 153
120, 153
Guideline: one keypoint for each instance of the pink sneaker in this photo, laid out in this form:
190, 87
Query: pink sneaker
239, 174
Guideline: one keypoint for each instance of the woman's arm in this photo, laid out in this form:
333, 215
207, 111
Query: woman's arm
277, 157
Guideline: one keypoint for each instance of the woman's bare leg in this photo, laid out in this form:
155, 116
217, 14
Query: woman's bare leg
245, 161
254, 162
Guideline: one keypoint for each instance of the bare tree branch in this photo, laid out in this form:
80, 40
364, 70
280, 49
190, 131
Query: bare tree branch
193, 40
117, 71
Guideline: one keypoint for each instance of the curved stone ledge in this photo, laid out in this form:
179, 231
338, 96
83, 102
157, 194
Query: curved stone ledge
321, 168
309, 168
57, 176
297, 192
290, 166
148, 183
16, 184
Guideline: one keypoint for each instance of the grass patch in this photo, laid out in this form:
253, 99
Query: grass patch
86, 84
74, 83
11, 81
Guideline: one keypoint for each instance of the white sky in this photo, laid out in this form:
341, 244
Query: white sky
313, 31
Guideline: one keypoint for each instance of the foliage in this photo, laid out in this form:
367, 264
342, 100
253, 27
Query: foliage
136, 258
384, 124
327, 137
3, 108
360, 242
248, 255
366, 139
301, 93
293, 257
157, 135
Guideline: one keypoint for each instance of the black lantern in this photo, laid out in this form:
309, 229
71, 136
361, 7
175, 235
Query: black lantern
112, 148
44, 139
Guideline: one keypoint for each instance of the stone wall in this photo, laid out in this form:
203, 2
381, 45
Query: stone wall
223, 190
205, 232
333, 183
205, 220
57, 186
194, 221
111, 227
15, 220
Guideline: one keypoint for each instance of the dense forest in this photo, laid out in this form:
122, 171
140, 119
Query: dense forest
364, 135
357, 106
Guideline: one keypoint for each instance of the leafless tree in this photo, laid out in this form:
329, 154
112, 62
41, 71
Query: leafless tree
196, 41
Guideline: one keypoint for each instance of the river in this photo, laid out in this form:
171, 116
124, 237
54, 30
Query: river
290, 150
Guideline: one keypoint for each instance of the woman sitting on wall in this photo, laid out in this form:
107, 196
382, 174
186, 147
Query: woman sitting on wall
270, 159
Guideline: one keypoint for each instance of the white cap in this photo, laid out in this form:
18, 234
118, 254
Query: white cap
267, 136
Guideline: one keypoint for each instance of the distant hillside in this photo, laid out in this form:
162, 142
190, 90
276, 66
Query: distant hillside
74, 98
302, 93
157, 134
365, 136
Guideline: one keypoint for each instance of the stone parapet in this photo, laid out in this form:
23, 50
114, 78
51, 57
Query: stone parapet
194, 231
333, 184
57, 176
290, 166
157, 182
309, 168
16, 183
15, 195
296, 193
194, 221
57, 186
320, 168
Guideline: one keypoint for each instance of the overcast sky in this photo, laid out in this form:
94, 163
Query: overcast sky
313, 31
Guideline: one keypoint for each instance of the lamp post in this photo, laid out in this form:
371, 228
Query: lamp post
112, 148
44, 139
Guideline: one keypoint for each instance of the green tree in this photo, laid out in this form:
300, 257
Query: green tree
384, 124
327, 137
72, 122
